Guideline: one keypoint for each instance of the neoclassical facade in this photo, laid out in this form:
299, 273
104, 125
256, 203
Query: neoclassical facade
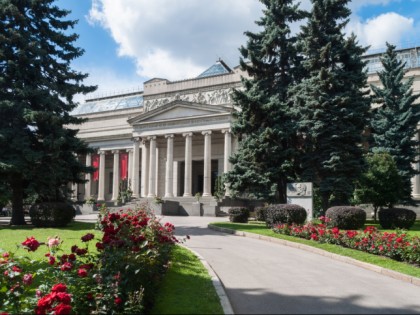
173, 139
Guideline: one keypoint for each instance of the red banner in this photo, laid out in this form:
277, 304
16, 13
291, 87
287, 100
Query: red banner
123, 165
95, 164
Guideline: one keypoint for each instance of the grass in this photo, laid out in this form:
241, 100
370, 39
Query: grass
260, 228
187, 287
12, 236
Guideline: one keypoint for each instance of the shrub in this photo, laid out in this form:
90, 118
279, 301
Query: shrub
346, 217
397, 218
238, 214
51, 214
260, 213
285, 213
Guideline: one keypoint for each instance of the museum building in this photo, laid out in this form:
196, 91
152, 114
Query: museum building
172, 140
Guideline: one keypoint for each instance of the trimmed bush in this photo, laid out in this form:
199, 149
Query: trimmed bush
260, 213
238, 215
346, 217
284, 213
51, 214
397, 218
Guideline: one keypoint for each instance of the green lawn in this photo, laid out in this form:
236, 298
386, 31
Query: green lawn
11, 236
187, 287
260, 228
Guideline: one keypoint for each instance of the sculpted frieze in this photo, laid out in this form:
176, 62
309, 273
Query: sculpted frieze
215, 97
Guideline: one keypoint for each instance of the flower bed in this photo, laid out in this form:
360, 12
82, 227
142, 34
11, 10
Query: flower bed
397, 246
122, 278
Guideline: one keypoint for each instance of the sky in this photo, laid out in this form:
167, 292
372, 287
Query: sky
128, 42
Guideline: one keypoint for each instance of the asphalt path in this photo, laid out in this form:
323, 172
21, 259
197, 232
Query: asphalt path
260, 277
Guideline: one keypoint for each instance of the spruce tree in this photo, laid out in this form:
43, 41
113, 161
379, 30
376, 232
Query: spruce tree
265, 160
330, 102
395, 120
37, 85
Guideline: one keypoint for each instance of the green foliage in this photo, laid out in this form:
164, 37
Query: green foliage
395, 120
381, 184
397, 218
346, 217
266, 158
51, 214
284, 213
219, 188
331, 102
260, 213
37, 86
238, 214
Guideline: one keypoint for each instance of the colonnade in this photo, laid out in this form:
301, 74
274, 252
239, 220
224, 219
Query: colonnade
145, 186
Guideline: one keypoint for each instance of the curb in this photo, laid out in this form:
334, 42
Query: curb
218, 285
348, 260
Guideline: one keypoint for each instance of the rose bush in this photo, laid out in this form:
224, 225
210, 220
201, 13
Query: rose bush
397, 246
133, 256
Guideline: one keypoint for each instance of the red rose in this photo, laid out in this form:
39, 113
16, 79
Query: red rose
67, 266
81, 251
51, 260
6, 255
46, 301
74, 248
62, 309
82, 273
31, 244
89, 296
59, 287
88, 237
99, 245
16, 269
64, 297
118, 301
72, 257
27, 279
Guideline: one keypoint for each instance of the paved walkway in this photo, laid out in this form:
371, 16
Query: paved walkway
267, 278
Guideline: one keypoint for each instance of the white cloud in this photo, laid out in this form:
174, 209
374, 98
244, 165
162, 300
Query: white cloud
177, 39
389, 27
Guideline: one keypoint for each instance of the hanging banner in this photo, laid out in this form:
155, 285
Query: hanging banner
123, 165
95, 164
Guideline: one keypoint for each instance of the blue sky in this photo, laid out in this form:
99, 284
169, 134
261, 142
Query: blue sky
127, 42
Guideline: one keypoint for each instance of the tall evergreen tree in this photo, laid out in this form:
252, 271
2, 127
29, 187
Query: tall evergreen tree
265, 160
395, 120
37, 86
331, 105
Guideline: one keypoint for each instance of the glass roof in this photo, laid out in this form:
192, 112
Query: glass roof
107, 104
218, 68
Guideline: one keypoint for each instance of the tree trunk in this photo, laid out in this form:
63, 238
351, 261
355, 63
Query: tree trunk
18, 215
325, 200
282, 190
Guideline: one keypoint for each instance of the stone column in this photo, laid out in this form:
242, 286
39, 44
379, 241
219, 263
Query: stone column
152, 167
101, 184
130, 168
188, 164
88, 177
116, 175
207, 163
169, 178
135, 174
175, 179
144, 169
228, 152
416, 178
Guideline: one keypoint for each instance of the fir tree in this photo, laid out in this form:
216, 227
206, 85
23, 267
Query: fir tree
37, 86
265, 160
331, 106
395, 120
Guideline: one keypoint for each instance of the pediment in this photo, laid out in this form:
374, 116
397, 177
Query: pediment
179, 110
